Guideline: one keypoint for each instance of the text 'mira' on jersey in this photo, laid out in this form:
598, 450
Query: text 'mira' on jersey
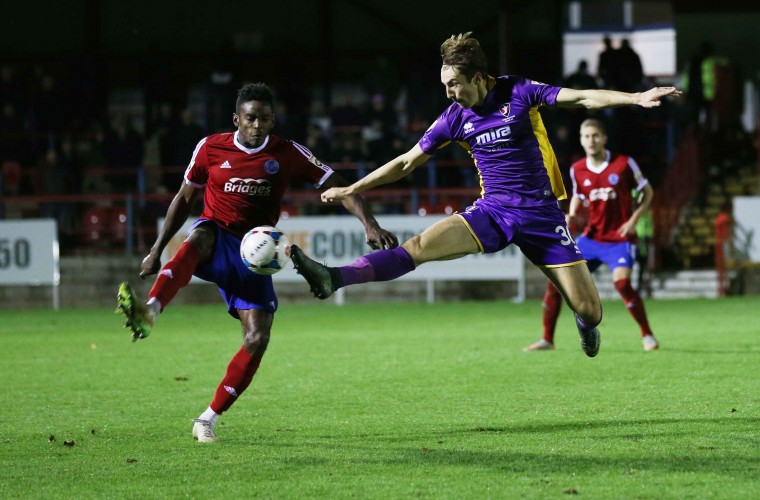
507, 139
607, 190
244, 187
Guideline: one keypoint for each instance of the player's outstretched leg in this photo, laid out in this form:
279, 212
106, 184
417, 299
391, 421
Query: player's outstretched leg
139, 318
591, 339
322, 280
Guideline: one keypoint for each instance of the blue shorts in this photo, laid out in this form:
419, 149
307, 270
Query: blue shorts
613, 254
540, 232
240, 287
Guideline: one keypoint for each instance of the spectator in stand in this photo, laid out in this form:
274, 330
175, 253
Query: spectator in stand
581, 78
608, 68
123, 151
631, 71
700, 83
568, 150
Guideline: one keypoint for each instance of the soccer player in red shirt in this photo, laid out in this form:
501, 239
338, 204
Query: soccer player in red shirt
723, 225
244, 174
604, 182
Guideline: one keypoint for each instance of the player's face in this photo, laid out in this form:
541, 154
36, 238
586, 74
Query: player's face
593, 140
459, 89
253, 120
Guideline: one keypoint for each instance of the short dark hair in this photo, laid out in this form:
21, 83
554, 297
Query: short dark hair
464, 53
254, 92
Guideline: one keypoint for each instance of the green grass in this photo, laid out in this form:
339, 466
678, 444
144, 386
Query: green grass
385, 401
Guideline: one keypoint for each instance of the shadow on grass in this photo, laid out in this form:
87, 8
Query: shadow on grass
550, 428
685, 455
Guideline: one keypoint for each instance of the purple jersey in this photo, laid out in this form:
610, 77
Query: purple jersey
507, 140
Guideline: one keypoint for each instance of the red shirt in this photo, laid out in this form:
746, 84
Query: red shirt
244, 187
606, 190
722, 225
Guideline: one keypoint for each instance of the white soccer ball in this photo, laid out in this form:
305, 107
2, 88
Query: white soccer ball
265, 250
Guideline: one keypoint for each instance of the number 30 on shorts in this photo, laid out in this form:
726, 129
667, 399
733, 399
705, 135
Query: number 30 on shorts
567, 239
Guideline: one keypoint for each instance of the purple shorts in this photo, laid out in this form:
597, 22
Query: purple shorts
540, 232
613, 254
240, 287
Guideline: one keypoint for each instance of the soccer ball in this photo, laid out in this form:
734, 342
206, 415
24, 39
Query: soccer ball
265, 250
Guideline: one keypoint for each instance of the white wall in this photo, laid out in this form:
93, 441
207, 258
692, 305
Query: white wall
656, 48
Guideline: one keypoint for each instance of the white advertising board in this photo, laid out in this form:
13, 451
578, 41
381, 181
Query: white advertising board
340, 240
29, 252
747, 219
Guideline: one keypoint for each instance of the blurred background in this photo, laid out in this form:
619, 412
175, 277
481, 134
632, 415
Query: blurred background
104, 101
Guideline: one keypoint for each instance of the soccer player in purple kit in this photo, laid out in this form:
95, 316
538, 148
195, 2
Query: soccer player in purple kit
497, 121
244, 175
605, 182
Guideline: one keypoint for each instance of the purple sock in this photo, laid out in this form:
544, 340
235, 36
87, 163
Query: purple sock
586, 326
384, 265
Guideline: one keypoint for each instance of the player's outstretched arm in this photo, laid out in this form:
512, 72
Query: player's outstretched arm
600, 99
377, 237
176, 216
396, 169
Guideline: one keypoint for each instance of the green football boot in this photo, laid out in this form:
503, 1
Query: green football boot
138, 318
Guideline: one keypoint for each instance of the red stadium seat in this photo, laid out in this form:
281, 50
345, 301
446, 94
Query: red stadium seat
95, 225
117, 221
442, 207
287, 211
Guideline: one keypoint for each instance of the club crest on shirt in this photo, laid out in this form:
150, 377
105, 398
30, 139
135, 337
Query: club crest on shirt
613, 179
504, 109
271, 166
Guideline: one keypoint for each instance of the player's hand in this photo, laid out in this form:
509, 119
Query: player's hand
378, 238
150, 265
334, 194
651, 98
628, 228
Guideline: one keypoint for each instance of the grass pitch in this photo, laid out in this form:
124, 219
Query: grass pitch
385, 401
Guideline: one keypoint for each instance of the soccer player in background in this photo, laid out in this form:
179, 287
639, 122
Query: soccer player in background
604, 181
497, 121
245, 174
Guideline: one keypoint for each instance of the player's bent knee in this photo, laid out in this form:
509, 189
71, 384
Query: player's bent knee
590, 310
255, 341
203, 238
413, 246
